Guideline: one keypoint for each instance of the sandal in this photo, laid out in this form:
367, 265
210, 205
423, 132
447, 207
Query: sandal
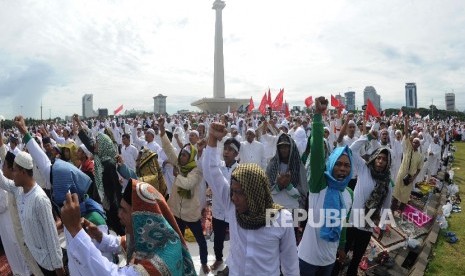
452, 240
217, 265
449, 234
205, 269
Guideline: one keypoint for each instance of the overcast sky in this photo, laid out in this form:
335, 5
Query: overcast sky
126, 52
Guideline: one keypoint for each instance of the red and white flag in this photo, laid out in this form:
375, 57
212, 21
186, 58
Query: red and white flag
118, 110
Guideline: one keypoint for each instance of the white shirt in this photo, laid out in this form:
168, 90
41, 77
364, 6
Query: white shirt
87, 260
130, 154
252, 252
252, 153
61, 140
218, 211
313, 249
40, 233
365, 183
153, 146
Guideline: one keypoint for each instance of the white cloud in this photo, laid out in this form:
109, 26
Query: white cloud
129, 51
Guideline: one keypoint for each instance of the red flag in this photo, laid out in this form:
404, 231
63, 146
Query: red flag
118, 110
251, 105
286, 110
309, 101
278, 102
334, 102
371, 109
262, 107
268, 101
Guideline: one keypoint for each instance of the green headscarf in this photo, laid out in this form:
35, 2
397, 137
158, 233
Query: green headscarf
255, 184
106, 153
191, 164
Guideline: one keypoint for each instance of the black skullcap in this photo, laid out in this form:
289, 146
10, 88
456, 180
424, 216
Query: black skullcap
234, 142
10, 158
46, 140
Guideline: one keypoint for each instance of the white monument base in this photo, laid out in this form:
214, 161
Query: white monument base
219, 105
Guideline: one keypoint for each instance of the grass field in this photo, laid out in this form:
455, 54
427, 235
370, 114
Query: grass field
449, 259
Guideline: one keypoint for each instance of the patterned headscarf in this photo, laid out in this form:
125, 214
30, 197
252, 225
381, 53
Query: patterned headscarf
294, 161
256, 187
159, 245
106, 153
149, 171
382, 180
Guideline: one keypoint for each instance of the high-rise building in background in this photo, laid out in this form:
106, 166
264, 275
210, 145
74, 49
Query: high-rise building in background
159, 104
350, 100
88, 106
411, 94
370, 93
450, 101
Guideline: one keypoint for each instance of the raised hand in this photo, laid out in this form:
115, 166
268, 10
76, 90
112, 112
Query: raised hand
71, 214
92, 230
20, 124
321, 104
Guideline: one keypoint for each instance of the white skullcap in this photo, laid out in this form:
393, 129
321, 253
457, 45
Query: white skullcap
285, 124
151, 131
24, 160
86, 151
351, 122
234, 127
251, 130
398, 131
195, 132
67, 128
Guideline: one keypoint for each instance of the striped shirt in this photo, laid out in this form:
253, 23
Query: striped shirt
40, 233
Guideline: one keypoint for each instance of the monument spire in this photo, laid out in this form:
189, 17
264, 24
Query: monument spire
218, 73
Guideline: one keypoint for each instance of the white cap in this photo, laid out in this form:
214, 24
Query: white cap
24, 160
151, 131
86, 151
251, 130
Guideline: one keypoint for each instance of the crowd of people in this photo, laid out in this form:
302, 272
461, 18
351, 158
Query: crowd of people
289, 192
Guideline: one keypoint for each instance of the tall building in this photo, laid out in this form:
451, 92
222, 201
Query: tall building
159, 104
450, 101
411, 94
370, 93
350, 100
88, 106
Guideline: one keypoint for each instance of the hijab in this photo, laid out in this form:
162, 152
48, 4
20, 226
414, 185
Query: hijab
333, 198
255, 184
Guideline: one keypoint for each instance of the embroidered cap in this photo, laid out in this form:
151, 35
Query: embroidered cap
24, 160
